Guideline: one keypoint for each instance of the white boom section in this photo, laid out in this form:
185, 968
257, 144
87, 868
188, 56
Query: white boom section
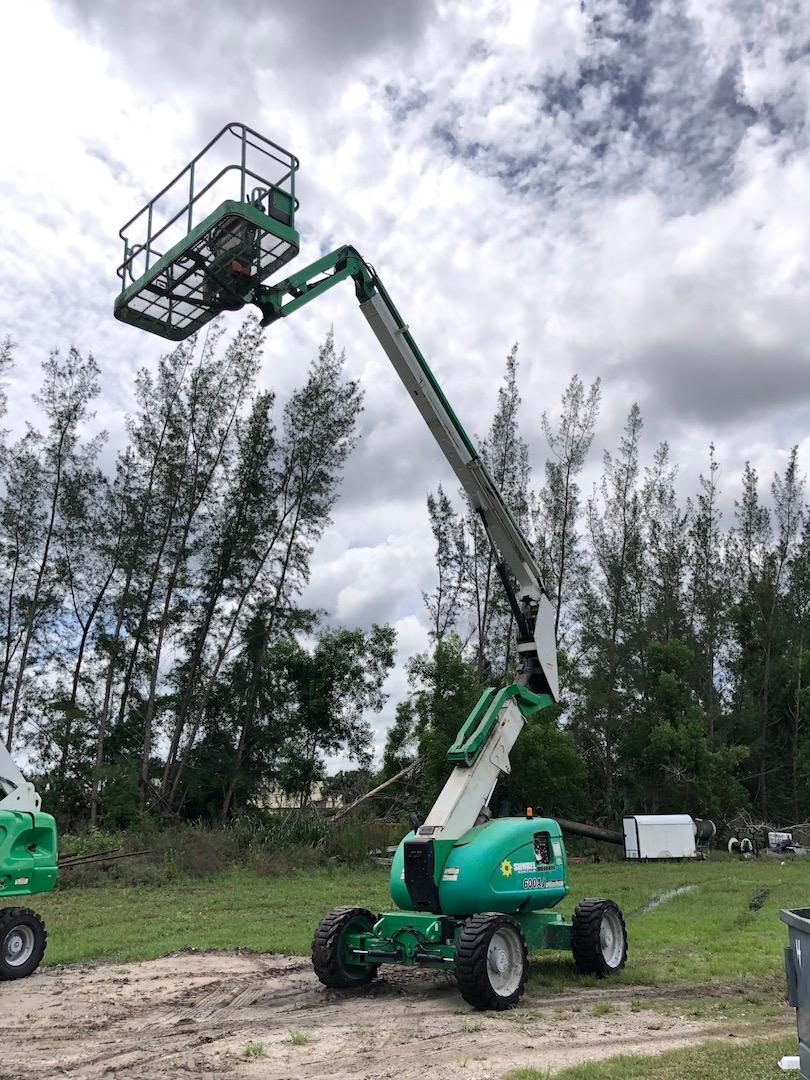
16, 793
476, 481
468, 789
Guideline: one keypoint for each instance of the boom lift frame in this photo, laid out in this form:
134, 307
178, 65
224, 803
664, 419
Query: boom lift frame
473, 892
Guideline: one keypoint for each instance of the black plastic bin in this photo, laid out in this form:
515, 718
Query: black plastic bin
797, 972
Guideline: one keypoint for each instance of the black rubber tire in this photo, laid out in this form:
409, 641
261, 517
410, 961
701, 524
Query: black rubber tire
585, 943
472, 971
326, 948
9, 919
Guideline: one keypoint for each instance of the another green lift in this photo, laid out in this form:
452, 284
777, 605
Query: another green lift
27, 866
473, 893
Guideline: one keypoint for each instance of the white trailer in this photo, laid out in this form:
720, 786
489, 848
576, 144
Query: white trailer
659, 836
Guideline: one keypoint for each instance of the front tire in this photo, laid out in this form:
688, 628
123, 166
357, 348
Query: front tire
331, 959
491, 961
598, 938
22, 942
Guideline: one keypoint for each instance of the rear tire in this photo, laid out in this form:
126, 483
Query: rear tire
330, 957
598, 938
491, 961
22, 942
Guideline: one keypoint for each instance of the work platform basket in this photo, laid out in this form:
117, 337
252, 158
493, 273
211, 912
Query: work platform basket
203, 243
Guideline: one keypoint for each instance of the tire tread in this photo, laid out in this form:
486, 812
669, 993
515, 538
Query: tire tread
471, 961
8, 917
326, 949
585, 946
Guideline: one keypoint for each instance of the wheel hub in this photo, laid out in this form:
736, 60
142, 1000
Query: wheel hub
505, 961
18, 945
611, 940
498, 961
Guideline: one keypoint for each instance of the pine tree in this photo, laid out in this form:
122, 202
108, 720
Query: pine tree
93, 521
761, 559
218, 388
6, 364
611, 613
666, 546
446, 603
506, 455
799, 661
20, 529
69, 386
710, 592
238, 526
318, 433
560, 551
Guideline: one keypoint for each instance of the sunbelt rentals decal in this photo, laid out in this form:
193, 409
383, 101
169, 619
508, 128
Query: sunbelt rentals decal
508, 868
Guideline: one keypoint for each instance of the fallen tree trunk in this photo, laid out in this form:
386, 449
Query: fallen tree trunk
375, 791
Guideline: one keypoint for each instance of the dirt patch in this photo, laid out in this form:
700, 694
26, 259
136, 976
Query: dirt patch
195, 1014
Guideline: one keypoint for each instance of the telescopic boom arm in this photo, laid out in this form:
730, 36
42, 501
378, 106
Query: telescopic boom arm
532, 609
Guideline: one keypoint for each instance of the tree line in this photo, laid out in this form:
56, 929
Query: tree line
154, 654
683, 638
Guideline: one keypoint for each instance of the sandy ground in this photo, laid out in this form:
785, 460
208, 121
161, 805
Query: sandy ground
193, 1014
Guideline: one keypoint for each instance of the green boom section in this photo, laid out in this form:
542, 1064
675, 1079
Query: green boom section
284, 297
477, 727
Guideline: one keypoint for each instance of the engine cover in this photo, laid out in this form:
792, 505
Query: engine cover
508, 864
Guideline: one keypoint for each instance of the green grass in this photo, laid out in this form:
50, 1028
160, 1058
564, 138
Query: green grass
526, 1074
718, 1060
741, 1008
722, 943
714, 935
231, 909
723, 931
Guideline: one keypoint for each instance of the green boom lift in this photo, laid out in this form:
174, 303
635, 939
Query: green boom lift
27, 866
473, 893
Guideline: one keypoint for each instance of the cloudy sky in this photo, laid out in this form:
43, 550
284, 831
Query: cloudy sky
621, 186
